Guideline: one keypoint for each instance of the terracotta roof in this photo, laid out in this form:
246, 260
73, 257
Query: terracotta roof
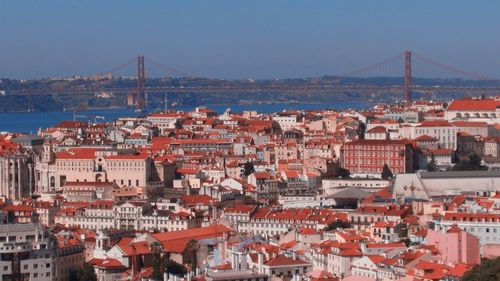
474, 104
106, 263
435, 123
378, 129
193, 233
240, 208
426, 138
282, 260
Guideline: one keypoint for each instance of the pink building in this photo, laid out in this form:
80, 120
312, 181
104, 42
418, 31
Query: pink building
456, 246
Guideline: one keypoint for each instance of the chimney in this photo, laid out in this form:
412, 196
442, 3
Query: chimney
294, 255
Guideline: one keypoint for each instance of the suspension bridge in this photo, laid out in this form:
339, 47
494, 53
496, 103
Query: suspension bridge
403, 66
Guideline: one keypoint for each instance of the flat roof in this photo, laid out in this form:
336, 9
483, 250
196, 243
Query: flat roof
460, 174
235, 275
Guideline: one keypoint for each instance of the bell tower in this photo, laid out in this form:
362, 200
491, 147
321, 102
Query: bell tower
48, 152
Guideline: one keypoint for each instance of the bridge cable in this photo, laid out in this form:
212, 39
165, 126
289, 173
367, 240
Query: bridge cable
451, 68
373, 66
169, 69
120, 66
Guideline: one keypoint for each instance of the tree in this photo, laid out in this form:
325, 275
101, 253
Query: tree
432, 166
473, 163
156, 263
406, 241
248, 169
338, 171
386, 172
85, 273
337, 224
362, 130
191, 252
488, 270
174, 268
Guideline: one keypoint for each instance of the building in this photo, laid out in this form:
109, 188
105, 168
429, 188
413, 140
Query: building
455, 245
369, 156
443, 131
425, 185
484, 226
17, 170
28, 254
89, 191
126, 168
474, 109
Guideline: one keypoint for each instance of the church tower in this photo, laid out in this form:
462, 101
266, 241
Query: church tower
48, 152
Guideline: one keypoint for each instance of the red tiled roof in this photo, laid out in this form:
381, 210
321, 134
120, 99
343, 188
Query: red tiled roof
459, 270
469, 124
193, 233
197, 200
106, 263
386, 245
282, 260
425, 138
474, 104
435, 123
378, 129
240, 208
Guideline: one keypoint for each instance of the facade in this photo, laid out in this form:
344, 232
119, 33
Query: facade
17, 174
27, 254
124, 168
444, 132
456, 245
486, 227
369, 156
472, 109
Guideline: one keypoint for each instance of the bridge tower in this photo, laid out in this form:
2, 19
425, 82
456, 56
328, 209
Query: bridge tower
139, 97
407, 82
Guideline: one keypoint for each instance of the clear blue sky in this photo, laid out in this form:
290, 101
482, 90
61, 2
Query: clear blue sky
243, 39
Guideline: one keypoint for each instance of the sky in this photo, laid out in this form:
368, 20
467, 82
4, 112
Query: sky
243, 39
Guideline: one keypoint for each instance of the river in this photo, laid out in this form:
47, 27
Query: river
30, 122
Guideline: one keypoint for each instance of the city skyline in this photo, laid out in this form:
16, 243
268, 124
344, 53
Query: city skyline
244, 40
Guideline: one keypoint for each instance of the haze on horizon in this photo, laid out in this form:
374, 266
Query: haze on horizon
236, 39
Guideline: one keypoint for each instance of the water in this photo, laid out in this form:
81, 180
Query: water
30, 122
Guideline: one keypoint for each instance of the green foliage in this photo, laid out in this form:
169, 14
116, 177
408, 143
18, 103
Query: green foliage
338, 171
157, 274
248, 169
488, 270
386, 172
175, 268
336, 225
432, 166
361, 130
471, 164
407, 242
191, 253
156, 262
85, 273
